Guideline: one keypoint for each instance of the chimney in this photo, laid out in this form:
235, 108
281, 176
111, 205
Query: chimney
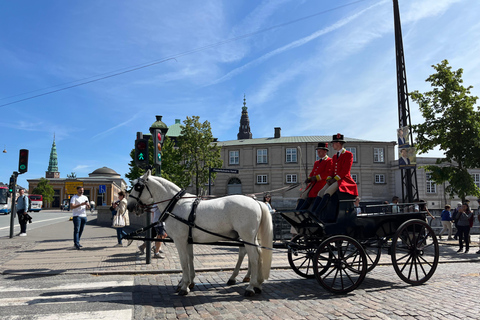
277, 132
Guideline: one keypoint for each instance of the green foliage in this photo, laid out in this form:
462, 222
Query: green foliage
187, 162
45, 189
198, 152
452, 123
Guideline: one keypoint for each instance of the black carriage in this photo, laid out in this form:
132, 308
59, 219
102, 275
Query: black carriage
339, 247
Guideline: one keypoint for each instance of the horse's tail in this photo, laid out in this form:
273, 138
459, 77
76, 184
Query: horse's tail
265, 238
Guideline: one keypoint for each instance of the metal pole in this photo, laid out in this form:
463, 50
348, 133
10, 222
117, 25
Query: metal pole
13, 212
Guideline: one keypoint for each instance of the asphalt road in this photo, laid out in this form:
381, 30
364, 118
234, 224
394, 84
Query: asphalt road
39, 220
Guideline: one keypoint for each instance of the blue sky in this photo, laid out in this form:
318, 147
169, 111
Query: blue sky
333, 72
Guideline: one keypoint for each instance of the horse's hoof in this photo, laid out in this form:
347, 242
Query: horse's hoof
191, 286
231, 282
182, 292
257, 290
246, 279
249, 293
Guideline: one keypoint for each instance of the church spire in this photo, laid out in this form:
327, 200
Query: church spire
52, 171
244, 130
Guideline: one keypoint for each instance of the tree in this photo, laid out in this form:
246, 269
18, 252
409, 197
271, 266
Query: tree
172, 168
199, 152
45, 189
453, 124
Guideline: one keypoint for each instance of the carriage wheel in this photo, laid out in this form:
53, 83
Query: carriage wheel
300, 256
340, 264
373, 251
415, 252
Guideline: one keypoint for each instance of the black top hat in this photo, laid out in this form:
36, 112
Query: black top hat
338, 138
322, 145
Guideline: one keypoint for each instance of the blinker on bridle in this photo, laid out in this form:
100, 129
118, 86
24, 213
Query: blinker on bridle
139, 187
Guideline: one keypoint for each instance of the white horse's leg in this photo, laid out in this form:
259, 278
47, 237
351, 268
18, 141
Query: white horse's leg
241, 254
253, 259
191, 267
184, 257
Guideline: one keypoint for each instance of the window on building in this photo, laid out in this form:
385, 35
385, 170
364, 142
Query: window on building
355, 177
379, 178
291, 155
378, 155
262, 156
476, 179
291, 178
431, 186
262, 179
353, 150
234, 158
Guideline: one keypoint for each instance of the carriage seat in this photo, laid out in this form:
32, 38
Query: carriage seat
340, 202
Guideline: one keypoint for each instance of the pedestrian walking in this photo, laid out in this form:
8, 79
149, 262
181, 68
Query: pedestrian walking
454, 219
463, 226
446, 222
120, 208
79, 205
22, 209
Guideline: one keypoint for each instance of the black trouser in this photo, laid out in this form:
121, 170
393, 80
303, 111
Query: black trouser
464, 233
22, 221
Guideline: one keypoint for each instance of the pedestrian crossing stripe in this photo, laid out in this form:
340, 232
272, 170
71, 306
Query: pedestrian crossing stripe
97, 315
67, 298
72, 286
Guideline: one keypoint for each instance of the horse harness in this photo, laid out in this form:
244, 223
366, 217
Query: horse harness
190, 222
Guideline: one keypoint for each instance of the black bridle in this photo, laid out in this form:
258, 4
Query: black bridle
139, 187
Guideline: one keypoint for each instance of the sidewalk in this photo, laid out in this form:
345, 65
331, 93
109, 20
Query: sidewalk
49, 250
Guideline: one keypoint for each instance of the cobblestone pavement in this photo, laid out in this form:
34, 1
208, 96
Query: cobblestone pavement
452, 293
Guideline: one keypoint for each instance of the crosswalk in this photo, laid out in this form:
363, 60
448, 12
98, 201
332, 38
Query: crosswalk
59, 297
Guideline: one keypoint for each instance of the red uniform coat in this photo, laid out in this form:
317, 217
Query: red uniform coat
321, 169
341, 172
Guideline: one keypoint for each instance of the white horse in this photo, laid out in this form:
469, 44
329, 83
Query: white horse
233, 216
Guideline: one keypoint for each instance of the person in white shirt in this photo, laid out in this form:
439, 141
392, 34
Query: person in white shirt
79, 205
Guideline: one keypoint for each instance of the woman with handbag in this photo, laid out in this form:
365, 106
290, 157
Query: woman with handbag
120, 218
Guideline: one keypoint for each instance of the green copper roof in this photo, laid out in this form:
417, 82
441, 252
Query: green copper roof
175, 129
301, 139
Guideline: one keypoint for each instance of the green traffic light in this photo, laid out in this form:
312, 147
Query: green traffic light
140, 156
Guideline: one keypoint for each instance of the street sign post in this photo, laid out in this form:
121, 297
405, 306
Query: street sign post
218, 170
102, 188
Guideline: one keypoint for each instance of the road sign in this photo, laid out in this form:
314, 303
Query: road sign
220, 170
71, 186
102, 188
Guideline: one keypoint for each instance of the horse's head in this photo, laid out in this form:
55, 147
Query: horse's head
140, 195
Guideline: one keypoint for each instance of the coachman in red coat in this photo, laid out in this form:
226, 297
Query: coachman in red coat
339, 177
318, 177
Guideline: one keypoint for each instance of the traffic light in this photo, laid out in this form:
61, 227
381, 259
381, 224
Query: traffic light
11, 185
141, 153
157, 146
23, 161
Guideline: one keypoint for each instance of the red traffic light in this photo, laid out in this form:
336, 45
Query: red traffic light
23, 161
159, 137
141, 145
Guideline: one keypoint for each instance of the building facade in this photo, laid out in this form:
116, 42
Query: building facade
102, 179
266, 164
